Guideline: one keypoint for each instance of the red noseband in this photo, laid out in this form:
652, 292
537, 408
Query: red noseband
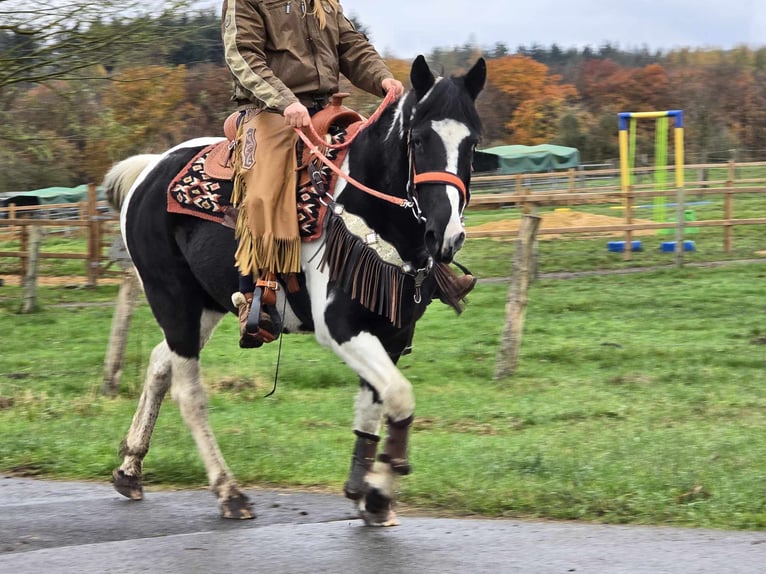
444, 177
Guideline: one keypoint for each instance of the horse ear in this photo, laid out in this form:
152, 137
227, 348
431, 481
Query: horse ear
476, 77
421, 77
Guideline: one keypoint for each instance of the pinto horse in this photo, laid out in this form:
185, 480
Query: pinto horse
419, 152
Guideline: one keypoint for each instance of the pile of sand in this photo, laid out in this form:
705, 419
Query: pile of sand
565, 217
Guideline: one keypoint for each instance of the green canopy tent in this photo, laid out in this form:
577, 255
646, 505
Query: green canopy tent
513, 159
47, 196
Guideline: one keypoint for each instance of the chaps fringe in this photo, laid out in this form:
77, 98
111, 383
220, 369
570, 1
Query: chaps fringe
375, 284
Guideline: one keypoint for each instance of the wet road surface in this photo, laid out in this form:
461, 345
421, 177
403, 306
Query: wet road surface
76, 527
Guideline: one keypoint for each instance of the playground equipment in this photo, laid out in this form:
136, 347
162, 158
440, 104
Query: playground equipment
670, 246
627, 139
619, 246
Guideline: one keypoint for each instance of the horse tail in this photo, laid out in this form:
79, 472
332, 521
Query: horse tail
119, 179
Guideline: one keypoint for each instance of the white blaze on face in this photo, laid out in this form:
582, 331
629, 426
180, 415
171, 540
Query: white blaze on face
452, 134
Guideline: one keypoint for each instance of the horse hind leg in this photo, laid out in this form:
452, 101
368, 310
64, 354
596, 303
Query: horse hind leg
168, 367
127, 477
192, 401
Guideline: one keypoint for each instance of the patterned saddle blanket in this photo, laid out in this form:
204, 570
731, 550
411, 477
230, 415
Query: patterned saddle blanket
195, 192
203, 187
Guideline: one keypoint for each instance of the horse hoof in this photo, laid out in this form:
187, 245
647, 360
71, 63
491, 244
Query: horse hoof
375, 509
237, 507
127, 485
384, 519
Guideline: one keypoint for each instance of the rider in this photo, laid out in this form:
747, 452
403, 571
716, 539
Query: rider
285, 58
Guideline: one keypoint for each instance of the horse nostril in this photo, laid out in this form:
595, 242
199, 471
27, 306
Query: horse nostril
459, 241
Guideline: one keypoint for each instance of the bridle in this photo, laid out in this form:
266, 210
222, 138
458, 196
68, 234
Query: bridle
439, 177
413, 178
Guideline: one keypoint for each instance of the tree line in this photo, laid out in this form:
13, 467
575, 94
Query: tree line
84, 89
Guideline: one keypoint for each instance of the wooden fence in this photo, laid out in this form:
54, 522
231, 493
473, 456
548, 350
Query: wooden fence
90, 219
525, 191
583, 191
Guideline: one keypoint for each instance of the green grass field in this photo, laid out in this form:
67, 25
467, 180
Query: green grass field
639, 398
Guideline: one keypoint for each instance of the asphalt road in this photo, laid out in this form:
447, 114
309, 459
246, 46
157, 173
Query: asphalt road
76, 527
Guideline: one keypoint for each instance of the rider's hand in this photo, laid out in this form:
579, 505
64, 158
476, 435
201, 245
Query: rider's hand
297, 116
393, 85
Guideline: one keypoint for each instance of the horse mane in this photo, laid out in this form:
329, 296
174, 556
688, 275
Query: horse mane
447, 98
120, 178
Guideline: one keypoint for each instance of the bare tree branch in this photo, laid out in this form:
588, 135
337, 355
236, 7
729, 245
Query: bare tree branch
58, 39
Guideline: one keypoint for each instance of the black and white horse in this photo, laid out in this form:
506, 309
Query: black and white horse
186, 267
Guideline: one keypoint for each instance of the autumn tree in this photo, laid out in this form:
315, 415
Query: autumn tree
531, 96
143, 107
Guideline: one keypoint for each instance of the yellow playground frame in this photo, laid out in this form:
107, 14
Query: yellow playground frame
627, 122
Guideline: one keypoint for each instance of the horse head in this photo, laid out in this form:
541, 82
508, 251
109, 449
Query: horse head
442, 128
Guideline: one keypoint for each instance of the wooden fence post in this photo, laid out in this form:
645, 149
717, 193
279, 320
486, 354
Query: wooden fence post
628, 253
93, 261
123, 313
680, 212
516, 304
728, 211
29, 281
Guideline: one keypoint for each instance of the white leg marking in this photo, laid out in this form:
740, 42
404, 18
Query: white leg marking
368, 412
156, 385
188, 392
365, 355
382, 479
208, 322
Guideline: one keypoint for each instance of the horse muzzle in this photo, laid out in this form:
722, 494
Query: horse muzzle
443, 248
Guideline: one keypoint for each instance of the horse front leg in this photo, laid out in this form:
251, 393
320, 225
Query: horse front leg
369, 410
127, 477
385, 392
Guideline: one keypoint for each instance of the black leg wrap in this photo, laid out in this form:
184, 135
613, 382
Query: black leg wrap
361, 462
404, 423
400, 466
395, 451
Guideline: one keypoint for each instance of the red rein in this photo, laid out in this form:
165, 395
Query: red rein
444, 177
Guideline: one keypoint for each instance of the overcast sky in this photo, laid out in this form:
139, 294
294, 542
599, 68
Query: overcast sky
405, 28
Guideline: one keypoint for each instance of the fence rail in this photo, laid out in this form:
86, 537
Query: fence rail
93, 220
582, 191
90, 219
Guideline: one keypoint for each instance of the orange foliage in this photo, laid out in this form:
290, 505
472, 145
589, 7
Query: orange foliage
534, 96
147, 100
607, 87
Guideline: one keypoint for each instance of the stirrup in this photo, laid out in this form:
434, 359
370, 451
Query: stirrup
243, 303
258, 324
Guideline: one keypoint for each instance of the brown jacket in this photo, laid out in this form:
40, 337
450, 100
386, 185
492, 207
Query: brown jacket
278, 55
